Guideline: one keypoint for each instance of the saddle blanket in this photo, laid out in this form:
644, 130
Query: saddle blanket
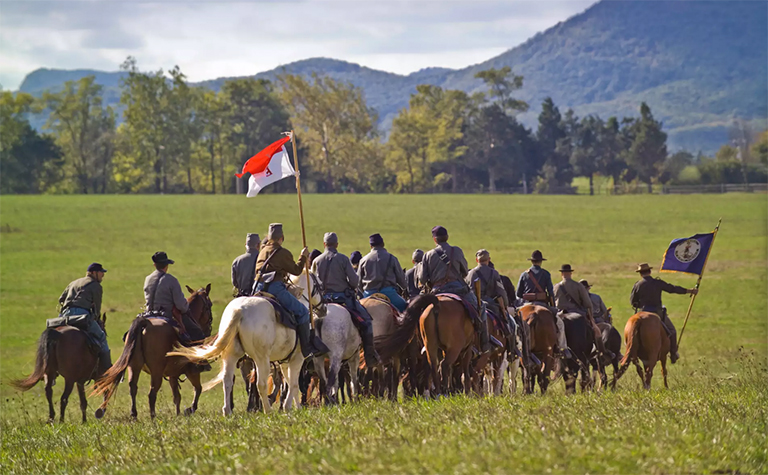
357, 319
284, 317
385, 299
498, 323
81, 323
471, 310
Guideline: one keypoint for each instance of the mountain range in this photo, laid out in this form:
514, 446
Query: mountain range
698, 65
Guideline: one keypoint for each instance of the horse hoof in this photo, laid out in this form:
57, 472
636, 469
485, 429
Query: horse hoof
99, 413
189, 411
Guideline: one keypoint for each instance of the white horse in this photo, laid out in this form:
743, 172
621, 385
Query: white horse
343, 340
250, 326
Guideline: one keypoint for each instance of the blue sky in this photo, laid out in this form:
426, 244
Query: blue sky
212, 39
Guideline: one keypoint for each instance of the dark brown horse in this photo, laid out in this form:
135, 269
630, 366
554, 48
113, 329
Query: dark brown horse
444, 325
543, 341
146, 343
647, 342
63, 351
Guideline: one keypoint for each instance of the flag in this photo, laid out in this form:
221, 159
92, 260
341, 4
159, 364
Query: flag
688, 255
258, 163
279, 167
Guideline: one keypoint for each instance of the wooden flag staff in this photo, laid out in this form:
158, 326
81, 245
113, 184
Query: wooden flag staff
698, 283
303, 232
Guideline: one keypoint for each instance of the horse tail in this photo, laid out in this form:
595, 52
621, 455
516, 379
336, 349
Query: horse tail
45, 348
389, 345
107, 384
633, 346
223, 341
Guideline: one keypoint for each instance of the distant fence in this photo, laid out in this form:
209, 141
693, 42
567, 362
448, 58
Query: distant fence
638, 189
721, 188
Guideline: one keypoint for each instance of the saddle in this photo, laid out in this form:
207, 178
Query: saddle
471, 310
284, 317
77, 321
385, 299
498, 323
357, 318
184, 338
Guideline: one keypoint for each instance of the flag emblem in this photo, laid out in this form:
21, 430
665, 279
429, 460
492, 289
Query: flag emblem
687, 250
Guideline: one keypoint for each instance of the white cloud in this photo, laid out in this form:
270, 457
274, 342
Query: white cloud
214, 39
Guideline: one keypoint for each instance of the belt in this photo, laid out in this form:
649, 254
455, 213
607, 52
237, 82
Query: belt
650, 308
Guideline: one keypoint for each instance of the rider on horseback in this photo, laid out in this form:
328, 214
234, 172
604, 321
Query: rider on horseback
273, 266
380, 273
339, 281
83, 297
491, 289
572, 297
646, 296
244, 267
411, 283
535, 287
163, 295
443, 270
599, 310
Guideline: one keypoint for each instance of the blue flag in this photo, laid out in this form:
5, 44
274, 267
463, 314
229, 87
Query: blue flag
688, 255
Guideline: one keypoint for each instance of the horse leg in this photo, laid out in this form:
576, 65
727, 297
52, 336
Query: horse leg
291, 372
49, 380
354, 389
664, 370
649, 373
262, 375
229, 364
174, 382
640, 372
83, 399
446, 369
133, 384
194, 379
395, 379
156, 380
68, 386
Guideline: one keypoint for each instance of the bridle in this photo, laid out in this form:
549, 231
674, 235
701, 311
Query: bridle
207, 326
315, 292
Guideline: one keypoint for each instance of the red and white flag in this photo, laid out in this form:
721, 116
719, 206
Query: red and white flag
268, 166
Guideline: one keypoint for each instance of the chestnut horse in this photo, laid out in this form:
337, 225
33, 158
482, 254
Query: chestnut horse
444, 325
146, 343
648, 342
543, 341
384, 323
63, 351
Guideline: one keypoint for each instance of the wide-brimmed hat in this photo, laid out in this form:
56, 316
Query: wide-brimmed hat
160, 257
275, 231
566, 268
536, 256
644, 267
96, 267
585, 283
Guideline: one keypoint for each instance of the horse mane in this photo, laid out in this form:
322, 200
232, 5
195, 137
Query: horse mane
392, 344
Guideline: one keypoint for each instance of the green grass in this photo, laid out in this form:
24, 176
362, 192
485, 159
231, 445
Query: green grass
712, 420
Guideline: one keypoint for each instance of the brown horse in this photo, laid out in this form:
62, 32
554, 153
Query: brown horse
383, 378
543, 341
63, 351
648, 342
146, 343
444, 325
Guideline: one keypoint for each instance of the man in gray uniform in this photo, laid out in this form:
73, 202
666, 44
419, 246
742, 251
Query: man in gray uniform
83, 297
572, 297
380, 272
491, 288
411, 281
599, 310
244, 267
162, 293
646, 296
338, 279
443, 270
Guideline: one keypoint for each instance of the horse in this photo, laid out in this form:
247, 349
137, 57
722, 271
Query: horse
250, 326
581, 340
384, 323
146, 344
612, 342
339, 334
63, 351
648, 342
543, 341
444, 325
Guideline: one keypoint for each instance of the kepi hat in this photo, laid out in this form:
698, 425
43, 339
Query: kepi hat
330, 238
355, 257
275, 231
418, 256
96, 267
376, 240
483, 253
439, 231
252, 240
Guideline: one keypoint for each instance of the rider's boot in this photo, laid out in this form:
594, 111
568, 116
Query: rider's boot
371, 356
311, 344
105, 362
485, 343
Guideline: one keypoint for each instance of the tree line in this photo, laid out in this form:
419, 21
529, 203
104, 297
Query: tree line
174, 138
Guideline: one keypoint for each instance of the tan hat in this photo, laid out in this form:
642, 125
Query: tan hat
644, 267
483, 253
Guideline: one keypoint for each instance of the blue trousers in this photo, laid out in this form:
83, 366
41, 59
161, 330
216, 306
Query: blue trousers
287, 300
364, 326
399, 303
93, 329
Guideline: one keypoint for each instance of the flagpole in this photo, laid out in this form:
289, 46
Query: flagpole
698, 283
303, 232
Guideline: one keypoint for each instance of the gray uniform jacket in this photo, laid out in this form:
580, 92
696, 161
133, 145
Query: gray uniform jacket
334, 271
379, 269
571, 296
162, 292
599, 310
433, 270
244, 271
491, 286
411, 284
85, 292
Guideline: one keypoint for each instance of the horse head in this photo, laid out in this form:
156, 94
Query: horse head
299, 286
200, 307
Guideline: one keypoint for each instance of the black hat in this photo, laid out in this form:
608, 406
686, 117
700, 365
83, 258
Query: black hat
376, 240
418, 256
314, 255
439, 231
161, 258
96, 267
355, 257
536, 256
585, 283
566, 268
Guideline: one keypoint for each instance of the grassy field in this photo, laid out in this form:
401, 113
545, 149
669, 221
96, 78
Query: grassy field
712, 420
